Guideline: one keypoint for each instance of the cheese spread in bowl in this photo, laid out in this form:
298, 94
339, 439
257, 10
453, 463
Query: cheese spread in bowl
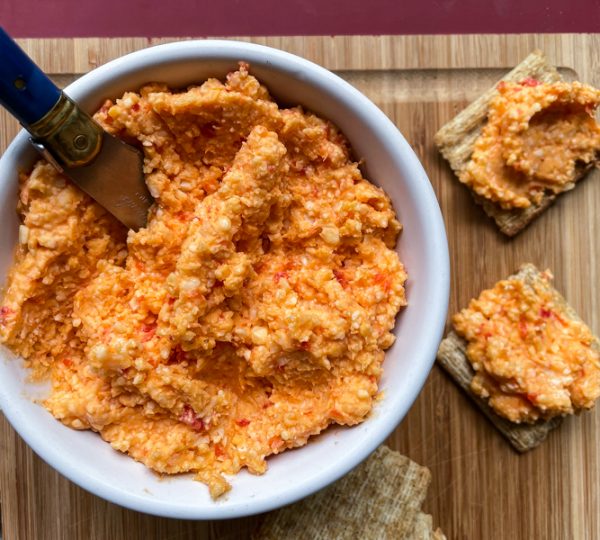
252, 311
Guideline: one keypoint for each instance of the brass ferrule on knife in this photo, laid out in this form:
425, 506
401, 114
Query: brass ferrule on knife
69, 135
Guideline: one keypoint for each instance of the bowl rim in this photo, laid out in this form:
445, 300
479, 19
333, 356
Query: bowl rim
330, 83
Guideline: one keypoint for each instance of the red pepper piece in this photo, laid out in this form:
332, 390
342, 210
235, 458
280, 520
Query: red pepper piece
148, 331
280, 275
341, 278
5, 313
189, 417
529, 81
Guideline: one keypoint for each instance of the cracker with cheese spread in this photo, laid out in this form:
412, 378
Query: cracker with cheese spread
524, 142
524, 356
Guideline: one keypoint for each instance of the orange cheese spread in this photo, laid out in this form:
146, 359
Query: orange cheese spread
531, 360
536, 139
253, 310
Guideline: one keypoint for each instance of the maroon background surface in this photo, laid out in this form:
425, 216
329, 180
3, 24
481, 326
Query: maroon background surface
159, 18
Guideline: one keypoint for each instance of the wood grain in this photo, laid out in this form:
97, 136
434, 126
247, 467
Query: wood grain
480, 487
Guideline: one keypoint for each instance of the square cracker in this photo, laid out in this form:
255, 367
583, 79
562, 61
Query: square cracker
381, 498
452, 356
455, 141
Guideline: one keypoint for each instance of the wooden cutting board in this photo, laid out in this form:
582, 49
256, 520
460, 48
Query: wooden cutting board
480, 488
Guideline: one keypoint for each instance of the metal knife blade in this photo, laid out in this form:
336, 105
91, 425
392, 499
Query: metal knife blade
115, 180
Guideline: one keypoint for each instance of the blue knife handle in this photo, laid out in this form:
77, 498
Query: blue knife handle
25, 90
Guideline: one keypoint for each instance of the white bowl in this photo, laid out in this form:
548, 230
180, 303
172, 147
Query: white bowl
389, 162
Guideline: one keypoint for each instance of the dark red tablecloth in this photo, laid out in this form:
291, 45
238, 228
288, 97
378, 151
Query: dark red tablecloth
157, 18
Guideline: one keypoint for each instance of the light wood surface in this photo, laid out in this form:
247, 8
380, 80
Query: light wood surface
481, 488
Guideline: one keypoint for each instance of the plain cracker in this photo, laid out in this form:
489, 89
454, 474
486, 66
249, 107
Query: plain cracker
455, 141
453, 358
381, 498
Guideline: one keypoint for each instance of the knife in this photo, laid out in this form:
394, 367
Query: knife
106, 168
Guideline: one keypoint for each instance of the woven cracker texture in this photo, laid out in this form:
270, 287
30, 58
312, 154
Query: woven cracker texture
379, 499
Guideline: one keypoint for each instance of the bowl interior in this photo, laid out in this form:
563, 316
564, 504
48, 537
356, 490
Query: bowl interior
389, 163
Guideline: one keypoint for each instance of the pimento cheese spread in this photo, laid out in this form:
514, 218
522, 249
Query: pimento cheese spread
253, 310
536, 136
531, 360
